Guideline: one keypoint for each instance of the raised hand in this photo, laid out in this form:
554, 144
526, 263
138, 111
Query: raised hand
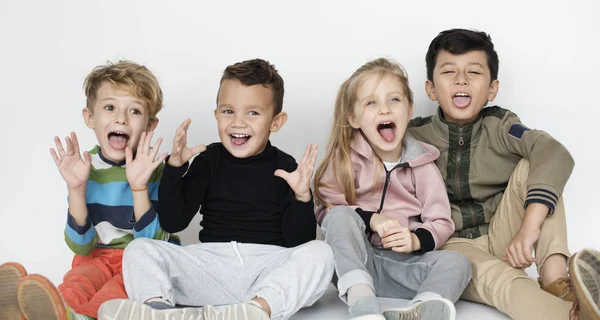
299, 180
181, 153
74, 169
139, 170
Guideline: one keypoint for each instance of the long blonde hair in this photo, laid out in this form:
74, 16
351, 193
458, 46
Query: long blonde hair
338, 149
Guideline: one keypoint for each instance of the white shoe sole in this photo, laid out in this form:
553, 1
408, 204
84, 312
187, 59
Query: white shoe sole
431, 309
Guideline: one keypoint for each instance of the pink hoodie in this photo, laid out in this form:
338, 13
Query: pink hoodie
414, 192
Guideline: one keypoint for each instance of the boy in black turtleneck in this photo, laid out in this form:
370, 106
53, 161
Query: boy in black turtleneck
257, 252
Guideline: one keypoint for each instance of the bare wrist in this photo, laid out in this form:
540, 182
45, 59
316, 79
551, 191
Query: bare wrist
77, 192
174, 163
303, 198
416, 243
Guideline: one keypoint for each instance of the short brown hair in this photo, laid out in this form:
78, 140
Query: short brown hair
257, 71
129, 76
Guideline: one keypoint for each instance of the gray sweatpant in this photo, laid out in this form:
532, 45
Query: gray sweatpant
390, 274
226, 273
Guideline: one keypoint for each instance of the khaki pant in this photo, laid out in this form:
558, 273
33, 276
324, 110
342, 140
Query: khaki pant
494, 281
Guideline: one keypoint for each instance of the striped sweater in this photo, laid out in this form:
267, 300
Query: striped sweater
110, 222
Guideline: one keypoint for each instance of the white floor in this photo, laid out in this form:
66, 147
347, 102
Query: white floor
330, 307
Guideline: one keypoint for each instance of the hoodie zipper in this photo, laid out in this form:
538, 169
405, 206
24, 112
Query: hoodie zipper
387, 181
461, 142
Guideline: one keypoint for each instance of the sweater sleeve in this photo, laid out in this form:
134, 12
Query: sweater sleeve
332, 194
437, 224
181, 192
80, 239
550, 163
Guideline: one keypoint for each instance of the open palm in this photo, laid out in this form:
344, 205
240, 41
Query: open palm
181, 153
139, 170
74, 169
299, 180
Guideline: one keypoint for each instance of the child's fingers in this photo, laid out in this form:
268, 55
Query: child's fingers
198, 149
146, 147
313, 158
305, 156
55, 156
59, 147
87, 158
282, 174
393, 230
69, 144
183, 127
140, 146
160, 159
156, 147
75, 143
128, 155
403, 249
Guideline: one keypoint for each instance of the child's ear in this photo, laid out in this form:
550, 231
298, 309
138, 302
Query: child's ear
353, 122
430, 89
494, 86
152, 124
88, 117
410, 112
278, 121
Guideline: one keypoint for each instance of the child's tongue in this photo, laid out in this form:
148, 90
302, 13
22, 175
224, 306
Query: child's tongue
461, 102
240, 141
117, 142
388, 134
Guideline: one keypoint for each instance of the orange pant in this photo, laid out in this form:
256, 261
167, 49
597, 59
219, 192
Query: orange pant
94, 279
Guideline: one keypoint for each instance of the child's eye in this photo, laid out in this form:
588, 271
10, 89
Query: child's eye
475, 72
135, 111
395, 99
252, 113
109, 107
371, 102
227, 111
447, 72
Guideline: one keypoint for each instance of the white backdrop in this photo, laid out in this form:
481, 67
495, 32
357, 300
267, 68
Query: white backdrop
548, 75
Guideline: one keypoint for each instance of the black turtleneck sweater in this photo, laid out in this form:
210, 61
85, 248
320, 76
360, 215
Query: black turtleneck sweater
242, 200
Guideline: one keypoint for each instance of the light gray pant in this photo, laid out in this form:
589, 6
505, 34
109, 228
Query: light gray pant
226, 273
390, 274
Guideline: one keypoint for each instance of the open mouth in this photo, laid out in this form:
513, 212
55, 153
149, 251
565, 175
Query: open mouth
239, 139
118, 140
387, 130
461, 100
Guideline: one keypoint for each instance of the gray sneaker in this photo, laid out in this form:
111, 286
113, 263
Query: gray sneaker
128, 309
429, 309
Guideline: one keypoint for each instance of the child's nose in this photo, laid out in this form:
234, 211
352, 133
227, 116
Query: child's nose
461, 79
121, 118
239, 120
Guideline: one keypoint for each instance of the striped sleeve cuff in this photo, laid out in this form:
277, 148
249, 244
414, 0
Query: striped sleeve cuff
542, 196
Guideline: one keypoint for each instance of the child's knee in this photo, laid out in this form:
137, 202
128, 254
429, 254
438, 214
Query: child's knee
138, 246
457, 262
341, 215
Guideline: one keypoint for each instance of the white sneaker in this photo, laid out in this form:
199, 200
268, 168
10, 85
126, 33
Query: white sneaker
429, 309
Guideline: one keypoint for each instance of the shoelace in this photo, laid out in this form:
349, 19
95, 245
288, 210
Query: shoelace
574, 312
